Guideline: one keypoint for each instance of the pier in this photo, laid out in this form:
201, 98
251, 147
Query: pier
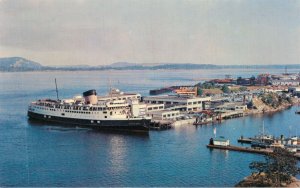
160, 125
232, 114
241, 149
246, 150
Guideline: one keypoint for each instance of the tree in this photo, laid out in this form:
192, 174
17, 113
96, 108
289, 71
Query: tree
252, 80
243, 88
199, 91
279, 167
225, 89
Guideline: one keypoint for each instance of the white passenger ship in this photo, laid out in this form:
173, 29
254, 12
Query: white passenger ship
117, 111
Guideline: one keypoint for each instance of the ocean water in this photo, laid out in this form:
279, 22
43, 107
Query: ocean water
41, 155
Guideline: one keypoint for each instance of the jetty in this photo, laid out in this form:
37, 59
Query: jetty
241, 149
246, 149
161, 125
232, 114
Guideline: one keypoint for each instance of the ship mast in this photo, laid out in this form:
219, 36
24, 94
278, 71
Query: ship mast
56, 90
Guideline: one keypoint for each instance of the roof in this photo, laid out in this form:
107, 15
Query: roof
221, 139
174, 97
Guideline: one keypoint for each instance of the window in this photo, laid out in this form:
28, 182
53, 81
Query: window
194, 102
155, 108
150, 108
105, 116
161, 107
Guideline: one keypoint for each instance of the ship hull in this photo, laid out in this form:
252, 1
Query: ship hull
141, 125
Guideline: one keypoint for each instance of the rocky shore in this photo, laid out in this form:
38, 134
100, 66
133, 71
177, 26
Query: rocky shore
260, 107
258, 180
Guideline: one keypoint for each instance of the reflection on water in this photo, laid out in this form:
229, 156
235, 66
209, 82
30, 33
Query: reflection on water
117, 154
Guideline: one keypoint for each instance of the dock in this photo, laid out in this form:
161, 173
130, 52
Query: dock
246, 150
241, 149
160, 125
232, 114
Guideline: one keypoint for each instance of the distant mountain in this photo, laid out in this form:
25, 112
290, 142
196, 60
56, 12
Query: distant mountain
14, 64
122, 64
18, 64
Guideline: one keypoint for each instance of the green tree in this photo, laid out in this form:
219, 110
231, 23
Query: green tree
243, 88
199, 91
278, 167
225, 89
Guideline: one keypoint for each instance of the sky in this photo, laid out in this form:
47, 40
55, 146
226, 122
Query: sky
101, 32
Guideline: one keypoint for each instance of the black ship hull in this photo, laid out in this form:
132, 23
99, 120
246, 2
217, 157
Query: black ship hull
141, 125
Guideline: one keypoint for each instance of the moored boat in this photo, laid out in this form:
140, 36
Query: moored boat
117, 111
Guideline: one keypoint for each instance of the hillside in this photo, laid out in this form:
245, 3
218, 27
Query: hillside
14, 64
18, 64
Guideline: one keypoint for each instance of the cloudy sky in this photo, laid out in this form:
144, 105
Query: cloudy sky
98, 32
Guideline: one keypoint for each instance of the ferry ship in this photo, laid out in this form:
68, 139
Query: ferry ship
117, 111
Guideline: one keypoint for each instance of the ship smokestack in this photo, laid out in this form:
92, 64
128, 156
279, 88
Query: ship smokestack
90, 97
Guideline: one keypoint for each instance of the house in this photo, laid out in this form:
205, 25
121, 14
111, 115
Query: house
221, 141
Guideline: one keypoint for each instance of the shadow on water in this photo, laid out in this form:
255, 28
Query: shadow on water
53, 126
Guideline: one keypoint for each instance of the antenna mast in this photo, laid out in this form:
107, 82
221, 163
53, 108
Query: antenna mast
56, 89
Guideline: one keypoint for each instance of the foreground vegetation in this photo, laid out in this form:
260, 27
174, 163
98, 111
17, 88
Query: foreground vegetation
277, 170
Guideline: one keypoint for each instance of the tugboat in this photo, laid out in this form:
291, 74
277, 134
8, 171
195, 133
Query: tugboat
117, 111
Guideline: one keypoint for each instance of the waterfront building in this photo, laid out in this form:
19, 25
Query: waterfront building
263, 79
154, 107
187, 91
284, 82
181, 103
295, 91
116, 94
231, 107
221, 141
165, 115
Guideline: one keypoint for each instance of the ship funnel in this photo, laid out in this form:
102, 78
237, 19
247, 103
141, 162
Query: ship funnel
90, 97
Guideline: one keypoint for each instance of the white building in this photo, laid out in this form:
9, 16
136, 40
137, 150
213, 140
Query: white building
285, 82
154, 107
165, 115
221, 141
231, 107
181, 103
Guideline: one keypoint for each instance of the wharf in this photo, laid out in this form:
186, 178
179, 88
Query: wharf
160, 125
241, 149
246, 149
233, 114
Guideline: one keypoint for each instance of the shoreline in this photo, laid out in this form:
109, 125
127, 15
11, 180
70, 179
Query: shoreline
249, 181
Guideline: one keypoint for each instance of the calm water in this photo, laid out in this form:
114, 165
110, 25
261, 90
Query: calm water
34, 155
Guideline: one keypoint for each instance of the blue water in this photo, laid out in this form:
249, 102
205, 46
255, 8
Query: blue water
35, 155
